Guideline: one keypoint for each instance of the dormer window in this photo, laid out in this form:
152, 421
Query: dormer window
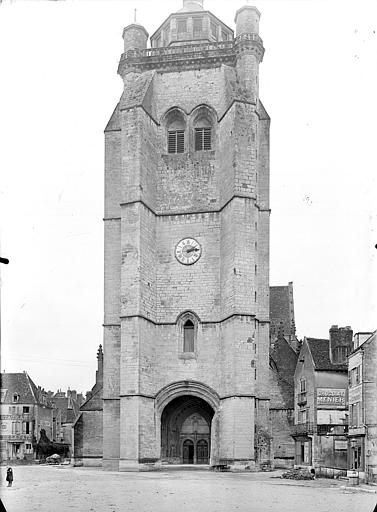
181, 26
16, 398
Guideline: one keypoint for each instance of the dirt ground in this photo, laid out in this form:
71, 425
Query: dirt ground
62, 488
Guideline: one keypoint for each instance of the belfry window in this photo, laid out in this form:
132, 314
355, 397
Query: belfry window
202, 139
176, 141
176, 127
188, 336
203, 127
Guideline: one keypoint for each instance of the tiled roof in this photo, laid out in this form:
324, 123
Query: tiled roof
21, 384
69, 408
319, 349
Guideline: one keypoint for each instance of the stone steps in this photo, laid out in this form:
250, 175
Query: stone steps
184, 467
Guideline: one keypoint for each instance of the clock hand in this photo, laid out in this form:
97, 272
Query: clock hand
192, 249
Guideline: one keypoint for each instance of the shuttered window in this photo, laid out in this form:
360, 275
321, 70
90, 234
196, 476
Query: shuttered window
176, 141
202, 139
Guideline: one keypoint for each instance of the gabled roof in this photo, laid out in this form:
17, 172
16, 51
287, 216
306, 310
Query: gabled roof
21, 384
319, 349
94, 402
68, 406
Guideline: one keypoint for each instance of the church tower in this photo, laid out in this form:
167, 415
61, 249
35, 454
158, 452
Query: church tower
186, 325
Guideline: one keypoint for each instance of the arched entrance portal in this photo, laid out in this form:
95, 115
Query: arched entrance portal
186, 431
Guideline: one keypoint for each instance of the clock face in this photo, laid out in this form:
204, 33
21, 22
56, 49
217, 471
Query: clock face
188, 251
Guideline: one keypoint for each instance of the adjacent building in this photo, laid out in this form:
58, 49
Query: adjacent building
66, 409
320, 400
283, 361
25, 410
362, 433
88, 426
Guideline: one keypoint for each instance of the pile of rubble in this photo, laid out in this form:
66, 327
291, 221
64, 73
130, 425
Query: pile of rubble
299, 474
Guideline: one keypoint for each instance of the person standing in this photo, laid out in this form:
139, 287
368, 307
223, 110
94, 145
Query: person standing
9, 477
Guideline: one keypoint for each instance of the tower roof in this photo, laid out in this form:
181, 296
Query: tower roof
191, 5
190, 10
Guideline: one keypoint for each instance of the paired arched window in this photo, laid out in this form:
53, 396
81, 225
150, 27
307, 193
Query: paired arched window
200, 135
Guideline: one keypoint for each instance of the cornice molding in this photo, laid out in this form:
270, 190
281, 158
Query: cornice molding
202, 322
191, 56
190, 212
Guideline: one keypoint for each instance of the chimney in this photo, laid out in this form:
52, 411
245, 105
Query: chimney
99, 372
340, 345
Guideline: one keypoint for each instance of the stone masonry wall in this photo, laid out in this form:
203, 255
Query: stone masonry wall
155, 199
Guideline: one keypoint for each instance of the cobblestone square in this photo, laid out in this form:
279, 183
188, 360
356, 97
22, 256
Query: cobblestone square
62, 488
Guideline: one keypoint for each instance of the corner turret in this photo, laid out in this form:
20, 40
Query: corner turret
135, 37
247, 20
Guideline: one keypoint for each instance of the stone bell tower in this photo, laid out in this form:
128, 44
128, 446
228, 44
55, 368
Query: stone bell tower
186, 326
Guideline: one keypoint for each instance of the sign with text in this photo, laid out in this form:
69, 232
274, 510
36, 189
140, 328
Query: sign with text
330, 398
355, 394
340, 445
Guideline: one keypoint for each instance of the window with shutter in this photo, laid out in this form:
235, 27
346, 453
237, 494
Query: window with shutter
176, 141
202, 139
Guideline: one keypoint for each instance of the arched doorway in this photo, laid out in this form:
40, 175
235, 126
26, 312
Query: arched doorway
186, 431
202, 451
188, 452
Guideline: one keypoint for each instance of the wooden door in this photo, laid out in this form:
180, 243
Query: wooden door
202, 451
188, 452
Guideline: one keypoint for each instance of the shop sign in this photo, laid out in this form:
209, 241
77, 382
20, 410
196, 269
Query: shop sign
17, 437
330, 398
340, 445
355, 394
356, 431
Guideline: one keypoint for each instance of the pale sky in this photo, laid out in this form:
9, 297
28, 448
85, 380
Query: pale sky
58, 88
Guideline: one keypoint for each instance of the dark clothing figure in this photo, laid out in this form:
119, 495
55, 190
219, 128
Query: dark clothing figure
9, 477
